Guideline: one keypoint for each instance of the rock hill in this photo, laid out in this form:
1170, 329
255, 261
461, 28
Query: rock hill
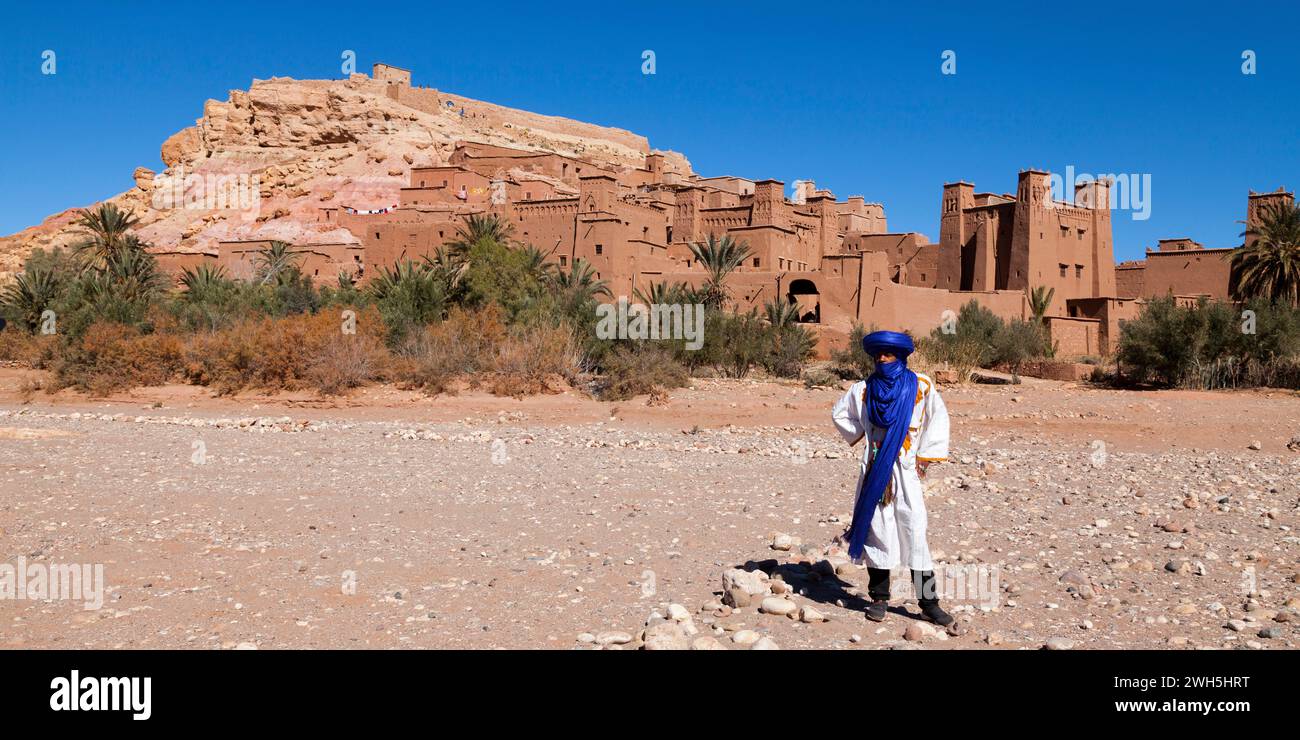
305, 144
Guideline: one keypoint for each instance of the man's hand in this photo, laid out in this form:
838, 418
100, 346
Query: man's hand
921, 465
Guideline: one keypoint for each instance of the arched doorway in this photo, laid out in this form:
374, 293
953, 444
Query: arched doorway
803, 293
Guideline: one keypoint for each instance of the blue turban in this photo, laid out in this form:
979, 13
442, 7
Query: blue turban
888, 400
892, 341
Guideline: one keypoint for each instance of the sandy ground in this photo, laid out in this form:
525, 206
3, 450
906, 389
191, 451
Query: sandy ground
1088, 518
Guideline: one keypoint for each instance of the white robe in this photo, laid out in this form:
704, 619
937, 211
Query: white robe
897, 535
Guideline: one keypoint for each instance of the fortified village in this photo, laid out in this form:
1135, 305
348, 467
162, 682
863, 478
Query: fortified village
836, 259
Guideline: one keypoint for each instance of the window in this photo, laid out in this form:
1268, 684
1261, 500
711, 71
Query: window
923, 277
563, 261
1080, 234
1063, 269
1078, 271
444, 183
600, 249
376, 234
755, 262
528, 195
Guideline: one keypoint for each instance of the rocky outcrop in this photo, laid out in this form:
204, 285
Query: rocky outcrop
285, 148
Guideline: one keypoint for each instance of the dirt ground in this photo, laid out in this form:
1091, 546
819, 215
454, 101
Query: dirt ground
387, 519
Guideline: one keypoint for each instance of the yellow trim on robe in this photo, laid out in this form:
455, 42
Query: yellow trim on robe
907, 440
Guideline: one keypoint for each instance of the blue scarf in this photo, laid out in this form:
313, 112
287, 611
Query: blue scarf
890, 398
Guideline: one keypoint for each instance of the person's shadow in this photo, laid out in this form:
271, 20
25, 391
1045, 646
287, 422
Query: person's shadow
818, 582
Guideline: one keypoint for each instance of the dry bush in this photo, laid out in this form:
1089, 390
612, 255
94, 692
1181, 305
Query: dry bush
820, 378
289, 353
535, 360
960, 358
462, 346
29, 350
28, 386
641, 369
1232, 372
920, 362
475, 347
112, 357
346, 362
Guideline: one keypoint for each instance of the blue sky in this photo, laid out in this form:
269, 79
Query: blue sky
848, 94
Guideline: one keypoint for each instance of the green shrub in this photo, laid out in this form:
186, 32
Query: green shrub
851, 362
1017, 342
789, 347
410, 295
1208, 345
973, 333
733, 343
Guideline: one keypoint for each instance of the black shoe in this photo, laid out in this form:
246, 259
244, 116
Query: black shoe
933, 613
877, 610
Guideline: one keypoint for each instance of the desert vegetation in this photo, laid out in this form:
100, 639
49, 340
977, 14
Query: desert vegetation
485, 311
1211, 345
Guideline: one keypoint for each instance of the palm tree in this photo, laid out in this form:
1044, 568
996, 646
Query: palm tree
447, 266
581, 283
106, 228
131, 276
781, 313
275, 263
391, 280
1040, 299
536, 264
663, 294
719, 257
29, 295
479, 229
204, 281
409, 294
1269, 268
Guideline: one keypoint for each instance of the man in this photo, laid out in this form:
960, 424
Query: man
905, 423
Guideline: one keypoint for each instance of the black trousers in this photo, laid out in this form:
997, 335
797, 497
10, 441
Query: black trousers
922, 581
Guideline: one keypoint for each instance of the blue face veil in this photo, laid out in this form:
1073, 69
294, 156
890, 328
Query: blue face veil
889, 399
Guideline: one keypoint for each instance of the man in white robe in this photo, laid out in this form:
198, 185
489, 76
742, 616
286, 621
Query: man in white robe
897, 536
